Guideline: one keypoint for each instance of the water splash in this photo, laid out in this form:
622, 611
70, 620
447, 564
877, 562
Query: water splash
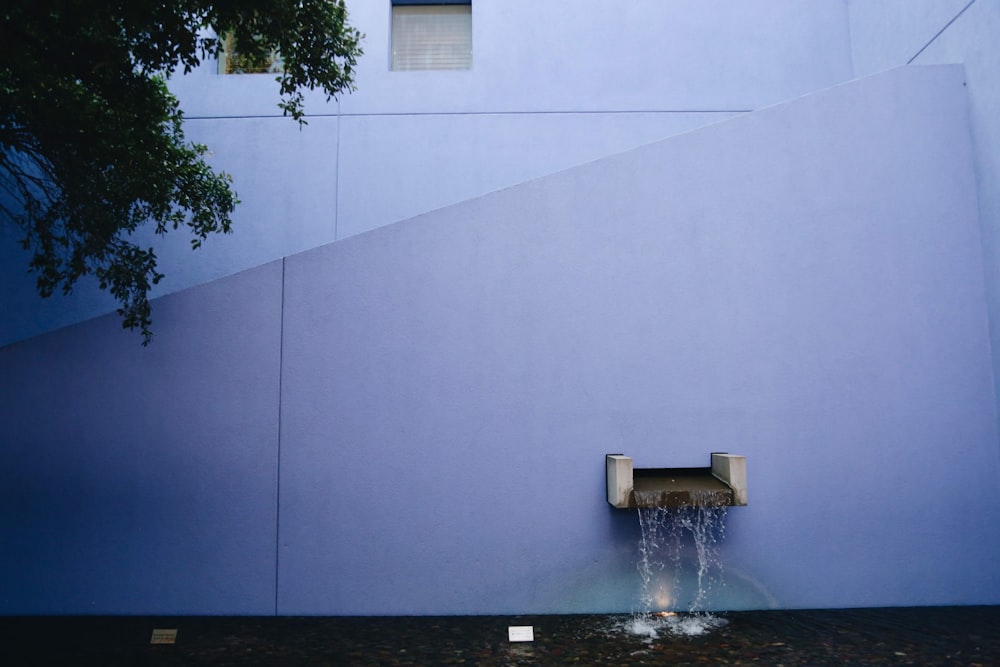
679, 566
656, 625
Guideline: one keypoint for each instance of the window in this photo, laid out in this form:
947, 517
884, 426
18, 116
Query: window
231, 61
428, 36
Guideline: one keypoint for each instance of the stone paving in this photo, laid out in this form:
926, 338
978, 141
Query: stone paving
966, 636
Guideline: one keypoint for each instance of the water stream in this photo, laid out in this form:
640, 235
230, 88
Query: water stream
679, 567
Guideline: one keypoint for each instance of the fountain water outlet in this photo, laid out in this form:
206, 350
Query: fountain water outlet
722, 484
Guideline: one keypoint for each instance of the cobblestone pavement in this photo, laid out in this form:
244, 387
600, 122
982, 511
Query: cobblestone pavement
966, 636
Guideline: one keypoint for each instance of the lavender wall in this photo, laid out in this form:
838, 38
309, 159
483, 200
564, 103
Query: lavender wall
889, 33
802, 285
143, 480
551, 87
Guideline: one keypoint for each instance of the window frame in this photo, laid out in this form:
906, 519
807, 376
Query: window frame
227, 54
404, 3
394, 67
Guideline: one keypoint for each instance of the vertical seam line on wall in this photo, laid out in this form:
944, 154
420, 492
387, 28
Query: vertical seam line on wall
277, 467
940, 32
336, 178
850, 39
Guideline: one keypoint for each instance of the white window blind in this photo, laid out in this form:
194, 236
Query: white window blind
431, 37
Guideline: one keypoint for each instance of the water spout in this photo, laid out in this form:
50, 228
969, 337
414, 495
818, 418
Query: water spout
682, 513
679, 563
723, 483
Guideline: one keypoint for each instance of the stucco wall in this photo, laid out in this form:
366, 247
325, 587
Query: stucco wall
140, 480
551, 86
890, 33
802, 285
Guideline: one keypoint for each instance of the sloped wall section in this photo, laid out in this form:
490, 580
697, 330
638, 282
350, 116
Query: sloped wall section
888, 33
551, 86
144, 480
802, 285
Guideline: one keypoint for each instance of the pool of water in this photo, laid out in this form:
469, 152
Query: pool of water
967, 636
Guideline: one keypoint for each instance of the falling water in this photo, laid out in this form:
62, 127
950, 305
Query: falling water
679, 566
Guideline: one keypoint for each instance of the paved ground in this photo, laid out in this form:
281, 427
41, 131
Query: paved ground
967, 636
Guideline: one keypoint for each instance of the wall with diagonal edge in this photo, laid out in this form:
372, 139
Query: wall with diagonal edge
889, 33
551, 86
144, 480
802, 285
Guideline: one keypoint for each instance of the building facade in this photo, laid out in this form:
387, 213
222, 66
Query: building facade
664, 229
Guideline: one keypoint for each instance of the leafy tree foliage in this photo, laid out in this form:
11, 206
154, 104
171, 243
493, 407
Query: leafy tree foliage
92, 144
